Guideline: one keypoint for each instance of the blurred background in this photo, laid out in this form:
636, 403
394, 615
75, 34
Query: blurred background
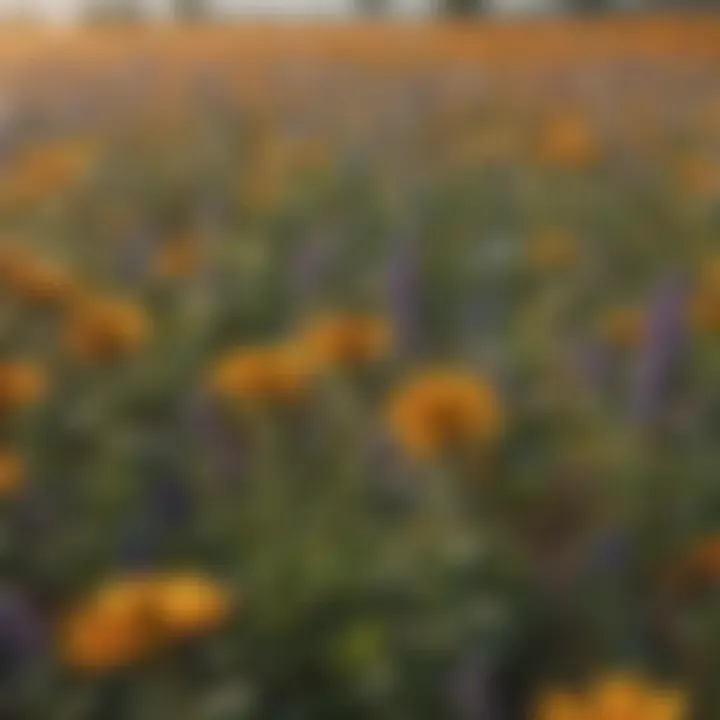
356, 369
78, 11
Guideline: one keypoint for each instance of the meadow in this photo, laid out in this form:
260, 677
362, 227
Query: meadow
363, 371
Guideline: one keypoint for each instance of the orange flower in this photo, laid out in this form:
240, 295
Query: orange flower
615, 697
561, 705
44, 169
625, 697
553, 250
624, 327
127, 619
705, 304
347, 340
262, 374
700, 176
11, 472
102, 329
569, 141
11, 257
443, 409
705, 312
702, 562
114, 628
189, 603
40, 283
177, 259
22, 384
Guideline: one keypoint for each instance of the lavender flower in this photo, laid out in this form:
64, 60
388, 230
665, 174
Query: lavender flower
662, 350
404, 291
472, 691
20, 633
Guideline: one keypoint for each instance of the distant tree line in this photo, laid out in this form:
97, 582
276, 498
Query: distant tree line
194, 10
134, 10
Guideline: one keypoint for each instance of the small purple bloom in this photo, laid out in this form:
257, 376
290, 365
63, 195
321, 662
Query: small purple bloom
405, 294
662, 350
21, 634
472, 691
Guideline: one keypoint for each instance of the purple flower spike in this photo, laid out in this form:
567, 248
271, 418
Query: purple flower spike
404, 291
662, 350
21, 636
472, 691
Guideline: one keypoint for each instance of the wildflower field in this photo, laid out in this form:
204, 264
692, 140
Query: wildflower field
361, 372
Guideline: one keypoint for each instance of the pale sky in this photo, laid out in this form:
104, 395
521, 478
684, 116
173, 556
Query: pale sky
67, 10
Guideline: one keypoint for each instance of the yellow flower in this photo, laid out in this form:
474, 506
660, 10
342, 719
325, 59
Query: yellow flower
561, 705
189, 603
11, 257
625, 697
701, 563
553, 250
105, 329
113, 628
22, 384
177, 259
439, 410
624, 327
615, 697
700, 176
40, 283
705, 303
11, 472
127, 619
705, 312
569, 141
347, 340
262, 374
44, 169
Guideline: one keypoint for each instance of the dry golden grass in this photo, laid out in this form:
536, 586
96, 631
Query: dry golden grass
401, 45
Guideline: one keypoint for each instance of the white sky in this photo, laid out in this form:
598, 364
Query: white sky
67, 10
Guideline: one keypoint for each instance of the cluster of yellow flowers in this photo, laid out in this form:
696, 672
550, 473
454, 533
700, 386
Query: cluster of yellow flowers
126, 620
105, 329
619, 697
22, 385
285, 372
569, 141
44, 170
96, 328
433, 411
177, 259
